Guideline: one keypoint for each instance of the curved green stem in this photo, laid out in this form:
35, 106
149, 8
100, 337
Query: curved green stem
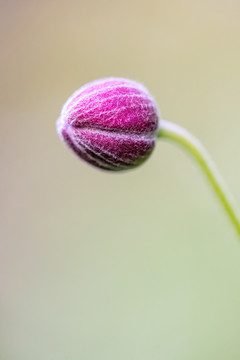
181, 136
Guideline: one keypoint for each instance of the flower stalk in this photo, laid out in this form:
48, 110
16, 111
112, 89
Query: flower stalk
179, 135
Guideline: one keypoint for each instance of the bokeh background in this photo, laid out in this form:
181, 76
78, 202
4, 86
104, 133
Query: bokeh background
139, 265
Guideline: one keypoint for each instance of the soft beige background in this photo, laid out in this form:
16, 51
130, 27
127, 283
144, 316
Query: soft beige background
140, 265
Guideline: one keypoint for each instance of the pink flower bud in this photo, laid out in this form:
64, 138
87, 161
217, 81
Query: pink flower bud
111, 123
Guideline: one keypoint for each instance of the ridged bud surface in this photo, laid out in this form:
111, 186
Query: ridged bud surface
111, 123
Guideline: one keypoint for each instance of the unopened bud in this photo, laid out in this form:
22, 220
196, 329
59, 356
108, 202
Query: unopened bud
111, 123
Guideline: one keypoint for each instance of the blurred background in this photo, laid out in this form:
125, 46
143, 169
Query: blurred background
138, 265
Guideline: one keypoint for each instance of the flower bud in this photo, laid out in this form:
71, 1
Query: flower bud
111, 123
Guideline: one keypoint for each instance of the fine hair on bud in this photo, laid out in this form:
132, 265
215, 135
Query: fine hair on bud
111, 123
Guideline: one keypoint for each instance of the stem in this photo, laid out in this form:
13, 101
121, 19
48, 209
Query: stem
181, 136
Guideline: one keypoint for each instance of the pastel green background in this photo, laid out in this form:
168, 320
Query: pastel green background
138, 265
